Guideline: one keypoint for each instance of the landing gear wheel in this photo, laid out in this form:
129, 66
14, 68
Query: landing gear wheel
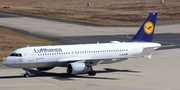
91, 72
26, 73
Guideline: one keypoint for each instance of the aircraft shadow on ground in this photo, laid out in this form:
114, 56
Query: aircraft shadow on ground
66, 76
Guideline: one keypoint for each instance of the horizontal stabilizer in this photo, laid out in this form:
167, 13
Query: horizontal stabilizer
149, 56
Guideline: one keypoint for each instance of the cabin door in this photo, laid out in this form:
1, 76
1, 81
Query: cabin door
31, 56
134, 49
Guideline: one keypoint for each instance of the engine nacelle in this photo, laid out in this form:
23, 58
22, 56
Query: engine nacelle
77, 68
44, 68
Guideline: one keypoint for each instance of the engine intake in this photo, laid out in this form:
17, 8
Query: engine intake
77, 68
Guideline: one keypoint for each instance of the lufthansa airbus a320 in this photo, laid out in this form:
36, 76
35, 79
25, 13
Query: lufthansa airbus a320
80, 58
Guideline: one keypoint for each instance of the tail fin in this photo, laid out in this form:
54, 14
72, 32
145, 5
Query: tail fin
146, 31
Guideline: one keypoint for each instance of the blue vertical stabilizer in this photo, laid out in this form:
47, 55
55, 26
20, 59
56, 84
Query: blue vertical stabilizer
146, 31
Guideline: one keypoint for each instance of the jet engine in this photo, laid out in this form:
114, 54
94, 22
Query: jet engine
44, 68
77, 68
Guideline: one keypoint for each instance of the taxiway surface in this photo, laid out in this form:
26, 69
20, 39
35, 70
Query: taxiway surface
159, 73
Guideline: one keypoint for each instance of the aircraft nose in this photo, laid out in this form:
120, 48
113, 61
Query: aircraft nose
8, 62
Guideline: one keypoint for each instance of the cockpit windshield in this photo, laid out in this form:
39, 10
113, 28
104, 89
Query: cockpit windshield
16, 54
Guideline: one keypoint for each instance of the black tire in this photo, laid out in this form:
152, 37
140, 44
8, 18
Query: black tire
91, 73
26, 75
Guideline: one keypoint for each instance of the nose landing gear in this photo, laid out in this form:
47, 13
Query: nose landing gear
26, 73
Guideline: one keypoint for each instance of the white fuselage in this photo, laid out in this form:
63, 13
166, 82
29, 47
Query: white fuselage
61, 55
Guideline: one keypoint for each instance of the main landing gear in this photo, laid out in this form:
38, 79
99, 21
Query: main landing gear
91, 72
26, 73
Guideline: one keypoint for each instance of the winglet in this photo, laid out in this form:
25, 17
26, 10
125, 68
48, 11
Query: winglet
149, 56
146, 31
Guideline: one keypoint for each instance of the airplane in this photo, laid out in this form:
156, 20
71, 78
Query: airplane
80, 58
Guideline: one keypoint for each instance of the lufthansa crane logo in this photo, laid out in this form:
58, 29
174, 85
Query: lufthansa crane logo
148, 27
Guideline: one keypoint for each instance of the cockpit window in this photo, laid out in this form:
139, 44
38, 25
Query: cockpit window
12, 54
20, 55
16, 54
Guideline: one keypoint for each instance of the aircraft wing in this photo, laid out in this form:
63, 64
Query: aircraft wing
89, 61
